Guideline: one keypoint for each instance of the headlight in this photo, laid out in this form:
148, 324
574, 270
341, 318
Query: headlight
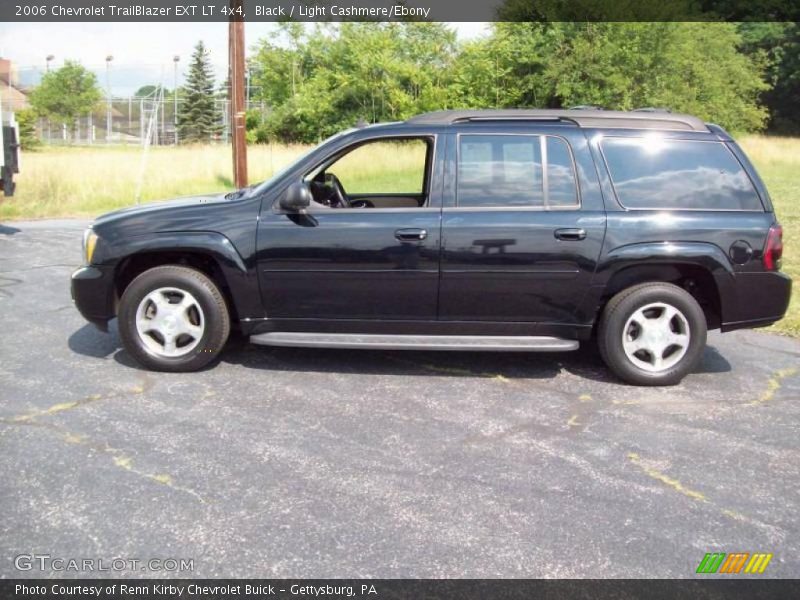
89, 244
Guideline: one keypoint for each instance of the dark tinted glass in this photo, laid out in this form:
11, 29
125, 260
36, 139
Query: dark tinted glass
561, 188
672, 174
501, 170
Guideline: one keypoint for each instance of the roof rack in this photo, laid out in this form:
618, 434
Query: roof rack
470, 119
641, 119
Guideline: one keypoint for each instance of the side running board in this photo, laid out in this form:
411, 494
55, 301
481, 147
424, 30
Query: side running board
416, 342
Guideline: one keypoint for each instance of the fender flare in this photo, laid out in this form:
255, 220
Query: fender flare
699, 254
244, 289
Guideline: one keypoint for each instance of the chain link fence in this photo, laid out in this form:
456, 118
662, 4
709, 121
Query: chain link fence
119, 119
133, 120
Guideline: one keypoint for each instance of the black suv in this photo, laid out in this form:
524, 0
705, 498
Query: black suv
520, 230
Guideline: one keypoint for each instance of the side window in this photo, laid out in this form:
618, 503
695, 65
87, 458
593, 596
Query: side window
501, 170
384, 167
562, 190
676, 174
507, 171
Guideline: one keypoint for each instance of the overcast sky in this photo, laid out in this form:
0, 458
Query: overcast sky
142, 52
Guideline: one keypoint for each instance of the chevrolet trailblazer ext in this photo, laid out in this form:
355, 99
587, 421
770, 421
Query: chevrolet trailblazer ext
525, 230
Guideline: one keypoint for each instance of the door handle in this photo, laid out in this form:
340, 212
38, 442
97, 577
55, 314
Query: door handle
411, 235
570, 234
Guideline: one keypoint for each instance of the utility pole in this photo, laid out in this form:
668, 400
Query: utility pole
236, 76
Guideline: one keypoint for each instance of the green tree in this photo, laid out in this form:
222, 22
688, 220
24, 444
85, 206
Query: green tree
778, 45
317, 81
198, 117
321, 80
688, 67
66, 94
26, 120
278, 67
600, 10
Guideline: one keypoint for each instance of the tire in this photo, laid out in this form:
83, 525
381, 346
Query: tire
638, 324
173, 318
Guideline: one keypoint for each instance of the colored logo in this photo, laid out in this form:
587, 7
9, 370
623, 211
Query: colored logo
735, 563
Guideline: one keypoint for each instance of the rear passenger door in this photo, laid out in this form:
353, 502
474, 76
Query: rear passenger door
522, 226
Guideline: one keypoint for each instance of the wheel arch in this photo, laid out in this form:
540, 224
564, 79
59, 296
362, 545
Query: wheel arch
702, 269
210, 253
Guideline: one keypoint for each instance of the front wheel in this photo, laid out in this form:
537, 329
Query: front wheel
652, 334
173, 318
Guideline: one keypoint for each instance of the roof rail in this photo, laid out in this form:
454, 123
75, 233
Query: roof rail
589, 117
652, 109
554, 119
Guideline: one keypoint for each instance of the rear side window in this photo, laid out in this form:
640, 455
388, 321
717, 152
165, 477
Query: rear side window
562, 190
672, 174
515, 171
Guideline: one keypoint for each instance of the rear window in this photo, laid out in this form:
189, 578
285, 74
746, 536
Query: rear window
674, 174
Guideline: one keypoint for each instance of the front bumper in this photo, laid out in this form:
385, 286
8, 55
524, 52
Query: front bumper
94, 295
761, 299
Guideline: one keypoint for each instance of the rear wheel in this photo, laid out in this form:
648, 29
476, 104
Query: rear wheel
173, 318
652, 334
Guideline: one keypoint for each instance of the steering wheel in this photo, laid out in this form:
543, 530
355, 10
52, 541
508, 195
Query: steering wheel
338, 197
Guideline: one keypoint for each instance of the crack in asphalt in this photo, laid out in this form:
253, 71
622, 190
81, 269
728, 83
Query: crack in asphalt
773, 385
7, 282
33, 267
120, 460
677, 486
665, 479
146, 384
499, 377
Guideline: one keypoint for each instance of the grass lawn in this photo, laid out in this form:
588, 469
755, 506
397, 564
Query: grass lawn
778, 163
63, 182
88, 181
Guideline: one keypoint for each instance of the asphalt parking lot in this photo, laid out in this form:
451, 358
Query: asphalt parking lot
301, 463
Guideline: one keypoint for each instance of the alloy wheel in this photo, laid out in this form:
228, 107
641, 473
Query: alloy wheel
656, 337
170, 322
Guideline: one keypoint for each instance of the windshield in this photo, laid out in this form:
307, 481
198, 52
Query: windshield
260, 187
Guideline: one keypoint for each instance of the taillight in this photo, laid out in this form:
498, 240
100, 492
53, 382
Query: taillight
773, 249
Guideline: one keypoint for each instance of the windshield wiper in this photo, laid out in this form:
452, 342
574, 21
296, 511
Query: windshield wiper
239, 193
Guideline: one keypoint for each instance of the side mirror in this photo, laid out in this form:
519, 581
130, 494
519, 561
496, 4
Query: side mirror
296, 198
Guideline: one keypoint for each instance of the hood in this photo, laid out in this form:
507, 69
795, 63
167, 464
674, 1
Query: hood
153, 208
195, 213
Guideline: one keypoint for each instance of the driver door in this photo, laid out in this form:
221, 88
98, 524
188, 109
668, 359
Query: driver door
373, 257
